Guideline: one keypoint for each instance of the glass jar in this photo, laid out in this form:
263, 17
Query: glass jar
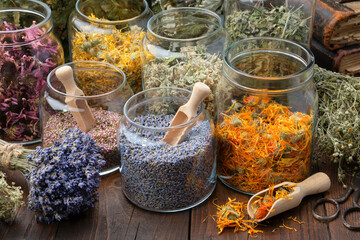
104, 92
29, 51
288, 19
181, 47
155, 175
213, 5
110, 31
267, 108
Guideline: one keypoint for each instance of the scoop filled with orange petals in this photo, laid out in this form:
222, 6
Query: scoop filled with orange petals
285, 196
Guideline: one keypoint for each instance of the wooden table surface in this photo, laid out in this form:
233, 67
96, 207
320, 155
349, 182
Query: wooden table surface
114, 217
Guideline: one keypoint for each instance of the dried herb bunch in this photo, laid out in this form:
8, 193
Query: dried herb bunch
10, 199
14, 157
24, 68
66, 177
338, 129
281, 22
193, 65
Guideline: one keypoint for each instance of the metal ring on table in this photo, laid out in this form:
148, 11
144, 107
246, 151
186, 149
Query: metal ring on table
326, 218
347, 211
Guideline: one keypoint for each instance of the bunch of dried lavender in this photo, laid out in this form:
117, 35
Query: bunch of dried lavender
193, 66
10, 199
338, 127
282, 22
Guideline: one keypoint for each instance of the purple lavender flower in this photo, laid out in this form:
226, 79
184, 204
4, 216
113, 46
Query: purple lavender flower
23, 72
66, 177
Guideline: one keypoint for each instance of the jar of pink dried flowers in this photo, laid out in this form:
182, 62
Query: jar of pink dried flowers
28, 52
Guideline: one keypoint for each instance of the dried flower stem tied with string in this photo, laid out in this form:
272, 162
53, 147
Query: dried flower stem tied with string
194, 65
120, 47
263, 143
338, 129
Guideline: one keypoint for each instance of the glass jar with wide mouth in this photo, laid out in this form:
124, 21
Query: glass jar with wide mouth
181, 47
29, 51
267, 108
110, 31
158, 176
99, 105
287, 19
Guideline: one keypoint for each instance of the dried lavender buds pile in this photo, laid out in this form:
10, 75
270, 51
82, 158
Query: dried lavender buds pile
10, 199
339, 119
66, 177
104, 133
195, 65
158, 176
24, 68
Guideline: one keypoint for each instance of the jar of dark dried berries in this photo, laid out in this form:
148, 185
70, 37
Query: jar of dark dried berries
158, 176
28, 52
110, 31
267, 105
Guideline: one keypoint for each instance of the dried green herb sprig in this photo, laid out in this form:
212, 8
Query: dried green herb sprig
283, 22
338, 129
10, 199
14, 157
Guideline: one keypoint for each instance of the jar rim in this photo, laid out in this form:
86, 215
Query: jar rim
37, 25
52, 73
144, 92
185, 9
146, 10
309, 64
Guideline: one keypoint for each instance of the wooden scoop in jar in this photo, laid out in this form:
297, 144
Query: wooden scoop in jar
185, 113
79, 107
317, 183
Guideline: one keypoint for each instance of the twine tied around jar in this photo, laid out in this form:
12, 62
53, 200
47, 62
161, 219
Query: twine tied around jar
8, 150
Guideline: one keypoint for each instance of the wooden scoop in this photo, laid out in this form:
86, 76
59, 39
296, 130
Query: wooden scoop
185, 113
317, 183
79, 107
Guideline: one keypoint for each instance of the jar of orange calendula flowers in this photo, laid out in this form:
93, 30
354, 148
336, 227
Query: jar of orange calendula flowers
266, 112
110, 31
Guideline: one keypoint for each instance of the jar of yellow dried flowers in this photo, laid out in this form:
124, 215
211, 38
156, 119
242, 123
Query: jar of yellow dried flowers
110, 31
181, 47
267, 106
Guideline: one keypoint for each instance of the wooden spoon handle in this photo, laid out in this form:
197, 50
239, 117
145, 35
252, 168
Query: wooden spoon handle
200, 92
317, 183
65, 75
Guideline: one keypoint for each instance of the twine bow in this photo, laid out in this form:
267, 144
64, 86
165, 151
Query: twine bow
9, 150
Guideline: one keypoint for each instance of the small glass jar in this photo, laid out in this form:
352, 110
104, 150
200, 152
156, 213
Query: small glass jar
105, 91
155, 175
181, 47
110, 32
267, 108
212, 5
29, 51
287, 19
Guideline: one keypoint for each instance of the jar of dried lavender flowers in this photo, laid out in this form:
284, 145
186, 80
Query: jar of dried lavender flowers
110, 31
183, 46
155, 175
29, 50
267, 106
288, 19
101, 92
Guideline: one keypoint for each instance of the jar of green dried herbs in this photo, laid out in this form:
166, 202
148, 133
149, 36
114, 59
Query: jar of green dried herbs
110, 31
181, 47
288, 19
29, 50
267, 105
